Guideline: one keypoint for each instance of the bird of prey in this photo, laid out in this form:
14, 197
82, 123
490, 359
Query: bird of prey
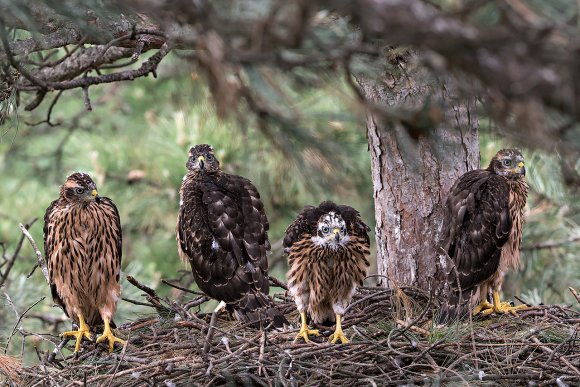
482, 232
82, 246
327, 249
222, 230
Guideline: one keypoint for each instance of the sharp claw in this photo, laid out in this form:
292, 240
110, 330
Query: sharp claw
338, 336
112, 340
305, 333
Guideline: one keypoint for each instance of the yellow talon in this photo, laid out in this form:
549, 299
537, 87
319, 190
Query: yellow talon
304, 331
483, 305
338, 334
83, 331
108, 335
503, 307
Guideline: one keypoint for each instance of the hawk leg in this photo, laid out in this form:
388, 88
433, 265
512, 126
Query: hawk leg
108, 335
304, 331
83, 331
338, 334
502, 307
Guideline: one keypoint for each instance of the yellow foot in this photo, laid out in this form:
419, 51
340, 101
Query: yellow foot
483, 305
79, 337
82, 332
108, 335
338, 335
503, 307
305, 332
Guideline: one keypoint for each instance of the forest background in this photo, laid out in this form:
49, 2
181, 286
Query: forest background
134, 143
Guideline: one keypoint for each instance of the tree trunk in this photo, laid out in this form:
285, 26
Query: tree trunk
414, 168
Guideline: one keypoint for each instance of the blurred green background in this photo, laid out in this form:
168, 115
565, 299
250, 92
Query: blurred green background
135, 145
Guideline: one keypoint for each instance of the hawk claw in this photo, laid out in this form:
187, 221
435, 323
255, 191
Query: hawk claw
483, 305
83, 331
503, 307
108, 335
112, 340
305, 332
338, 335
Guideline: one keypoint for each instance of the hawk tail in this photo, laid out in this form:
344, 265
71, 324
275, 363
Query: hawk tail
452, 309
259, 311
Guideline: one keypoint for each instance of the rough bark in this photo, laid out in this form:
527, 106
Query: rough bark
413, 168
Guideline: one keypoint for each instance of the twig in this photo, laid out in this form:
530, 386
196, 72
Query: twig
574, 293
4, 276
40, 261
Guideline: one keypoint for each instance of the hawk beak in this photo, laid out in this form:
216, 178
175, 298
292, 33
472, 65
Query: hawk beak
201, 161
522, 168
336, 234
94, 193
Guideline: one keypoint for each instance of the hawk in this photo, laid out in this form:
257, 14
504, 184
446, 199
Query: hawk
327, 249
82, 247
482, 232
222, 230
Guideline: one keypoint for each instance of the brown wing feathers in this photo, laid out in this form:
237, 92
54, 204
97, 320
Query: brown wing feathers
222, 230
476, 226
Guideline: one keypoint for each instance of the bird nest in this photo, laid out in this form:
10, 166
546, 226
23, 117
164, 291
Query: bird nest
393, 342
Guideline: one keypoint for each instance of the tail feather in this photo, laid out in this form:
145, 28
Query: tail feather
456, 307
259, 311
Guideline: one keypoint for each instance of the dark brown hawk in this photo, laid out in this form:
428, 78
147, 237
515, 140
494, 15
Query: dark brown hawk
82, 246
327, 249
222, 230
482, 232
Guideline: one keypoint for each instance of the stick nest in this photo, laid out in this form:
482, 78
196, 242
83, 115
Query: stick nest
393, 342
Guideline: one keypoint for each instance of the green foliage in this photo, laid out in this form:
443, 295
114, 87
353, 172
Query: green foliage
145, 129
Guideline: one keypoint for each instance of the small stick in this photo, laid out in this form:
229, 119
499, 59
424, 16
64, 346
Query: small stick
39, 258
574, 293
212, 323
278, 283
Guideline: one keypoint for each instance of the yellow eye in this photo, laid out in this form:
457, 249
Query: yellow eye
325, 229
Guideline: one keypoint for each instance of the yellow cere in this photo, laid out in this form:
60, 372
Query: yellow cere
94, 193
201, 158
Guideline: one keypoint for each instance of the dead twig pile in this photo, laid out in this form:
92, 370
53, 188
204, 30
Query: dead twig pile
393, 342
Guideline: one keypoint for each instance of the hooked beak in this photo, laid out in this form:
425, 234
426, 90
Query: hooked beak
201, 161
522, 168
96, 196
336, 235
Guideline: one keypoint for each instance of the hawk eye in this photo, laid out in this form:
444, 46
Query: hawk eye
325, 229
209, 157
506, 162
79, 191
342, 229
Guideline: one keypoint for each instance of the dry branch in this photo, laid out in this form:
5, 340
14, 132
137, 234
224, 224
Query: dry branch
531, 348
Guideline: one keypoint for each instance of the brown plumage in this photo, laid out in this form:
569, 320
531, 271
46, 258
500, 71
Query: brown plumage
82, 246
222, 230
482, 232
327, 249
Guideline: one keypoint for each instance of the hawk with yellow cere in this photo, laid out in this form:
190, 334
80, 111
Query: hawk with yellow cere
482, 233
327, 249
222, 230
82, 246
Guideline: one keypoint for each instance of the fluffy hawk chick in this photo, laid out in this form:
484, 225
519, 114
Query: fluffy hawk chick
327, 249
82, 246
482, 232
222, 230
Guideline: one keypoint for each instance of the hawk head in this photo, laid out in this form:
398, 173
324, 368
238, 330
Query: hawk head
79, 188
331, 231
508, 163
201, 158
